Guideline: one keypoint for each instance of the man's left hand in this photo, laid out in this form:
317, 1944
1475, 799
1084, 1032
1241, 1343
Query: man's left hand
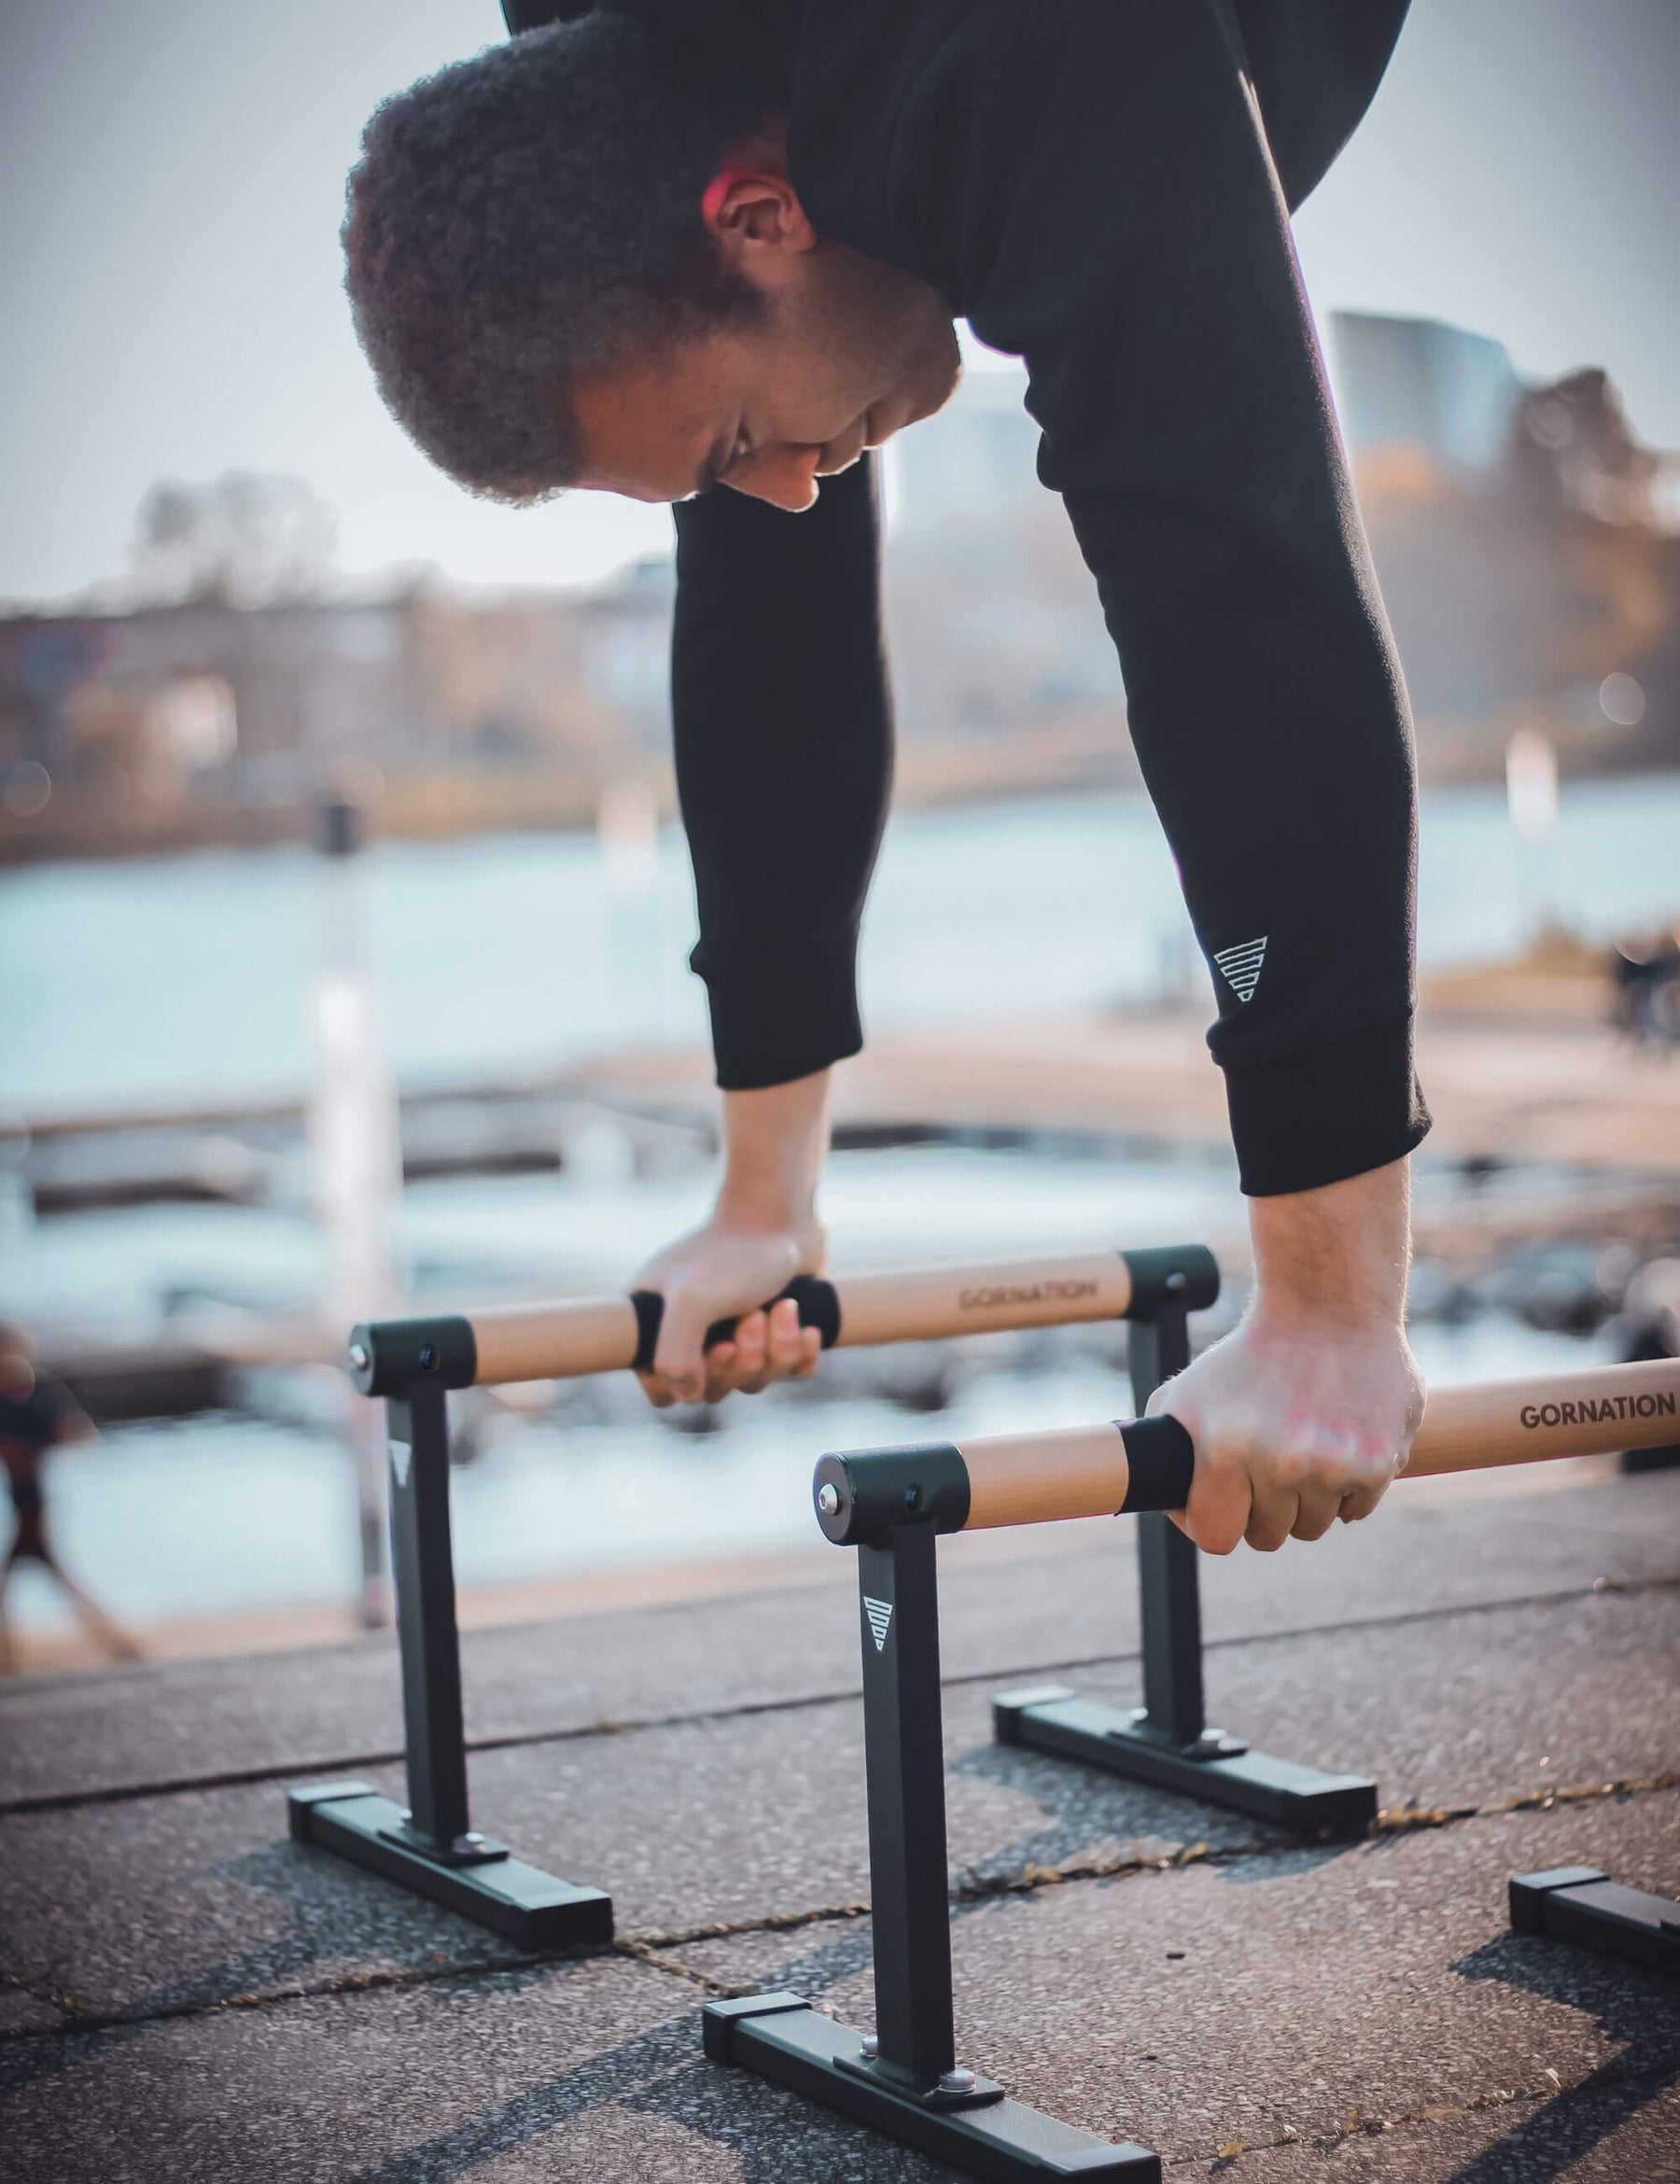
1306, 1412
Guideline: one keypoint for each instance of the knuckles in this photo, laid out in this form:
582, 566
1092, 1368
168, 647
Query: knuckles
1305, 1461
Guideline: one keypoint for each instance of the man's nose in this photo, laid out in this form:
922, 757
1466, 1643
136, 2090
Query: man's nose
785, 475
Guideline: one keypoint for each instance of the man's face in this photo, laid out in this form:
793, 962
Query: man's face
845, 353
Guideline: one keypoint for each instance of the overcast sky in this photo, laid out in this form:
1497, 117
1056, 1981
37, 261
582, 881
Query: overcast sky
171, 176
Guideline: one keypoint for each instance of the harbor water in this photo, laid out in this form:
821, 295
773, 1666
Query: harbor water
185, 982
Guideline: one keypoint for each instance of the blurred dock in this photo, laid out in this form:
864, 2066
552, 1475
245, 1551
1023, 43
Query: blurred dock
1548, 1128
1503, 1087
1572, 1096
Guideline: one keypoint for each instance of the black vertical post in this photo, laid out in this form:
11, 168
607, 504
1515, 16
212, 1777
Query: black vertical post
1167, 1572
422, 1568
904, 1751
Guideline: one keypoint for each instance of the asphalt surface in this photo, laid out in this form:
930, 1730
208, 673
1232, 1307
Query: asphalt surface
186, 1995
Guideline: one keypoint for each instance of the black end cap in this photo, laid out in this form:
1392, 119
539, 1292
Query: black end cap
649, 1308
392, 1357
874, 1489
1009, 1706
718, 2019
1527, 1893
1160, 1463
1172, 1277
818, 1306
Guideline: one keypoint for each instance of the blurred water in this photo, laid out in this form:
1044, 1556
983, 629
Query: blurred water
225, 1513
186, 978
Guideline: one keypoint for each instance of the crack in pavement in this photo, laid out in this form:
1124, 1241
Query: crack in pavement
1400, 1819
746, 1709
972, 1887
651, 1948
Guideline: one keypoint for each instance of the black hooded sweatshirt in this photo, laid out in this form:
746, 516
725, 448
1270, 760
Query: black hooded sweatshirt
1101, 187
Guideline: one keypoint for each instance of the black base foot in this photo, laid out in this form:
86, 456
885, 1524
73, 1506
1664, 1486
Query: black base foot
1578, 1903
783, 2038
1221, 1770
528, 1907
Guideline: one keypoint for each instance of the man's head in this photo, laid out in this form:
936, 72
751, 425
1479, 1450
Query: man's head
578, 260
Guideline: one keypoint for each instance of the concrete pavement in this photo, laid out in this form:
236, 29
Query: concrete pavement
185, 1993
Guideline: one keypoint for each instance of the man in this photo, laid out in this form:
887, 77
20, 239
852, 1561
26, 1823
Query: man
660, 248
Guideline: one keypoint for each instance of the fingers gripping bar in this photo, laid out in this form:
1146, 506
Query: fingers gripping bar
1148, 1464
601, 1335
818, 1307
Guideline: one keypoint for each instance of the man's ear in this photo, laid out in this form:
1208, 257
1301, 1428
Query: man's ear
753, 210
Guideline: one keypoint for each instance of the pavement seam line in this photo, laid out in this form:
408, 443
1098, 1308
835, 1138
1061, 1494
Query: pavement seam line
250, 1777
645, 1952
79, 2019
651, 1949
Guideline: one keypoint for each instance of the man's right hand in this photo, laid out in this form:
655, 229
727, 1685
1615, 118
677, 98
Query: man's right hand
763, 1231
720, 1272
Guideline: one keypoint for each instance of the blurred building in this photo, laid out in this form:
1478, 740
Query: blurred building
995, 626
1414, 387
209, 720
1519, 539
1519, 534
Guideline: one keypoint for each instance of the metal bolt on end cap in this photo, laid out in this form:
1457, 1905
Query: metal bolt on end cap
869, 2047
960, 2081
358, 1357
828, 1499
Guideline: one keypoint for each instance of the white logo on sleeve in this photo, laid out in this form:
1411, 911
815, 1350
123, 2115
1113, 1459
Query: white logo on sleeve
1241, 966
880, 1613
403, 1455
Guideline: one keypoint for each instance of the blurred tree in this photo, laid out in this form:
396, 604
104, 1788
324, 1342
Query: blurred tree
1574, 450
1544, 586
1581, 480
248, 539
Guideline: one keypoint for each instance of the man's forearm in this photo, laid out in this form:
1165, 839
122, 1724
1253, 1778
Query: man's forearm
774, 1144
1334, 1258
783, 734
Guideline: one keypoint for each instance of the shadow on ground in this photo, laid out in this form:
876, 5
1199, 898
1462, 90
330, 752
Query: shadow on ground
1550, 2140
336, 1918
775, 2138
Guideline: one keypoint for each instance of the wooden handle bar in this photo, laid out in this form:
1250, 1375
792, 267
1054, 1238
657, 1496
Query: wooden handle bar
1147, 1464
556, 1342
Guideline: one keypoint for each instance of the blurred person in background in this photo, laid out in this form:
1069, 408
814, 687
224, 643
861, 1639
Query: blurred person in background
658, 250
1646, 976
38, 1414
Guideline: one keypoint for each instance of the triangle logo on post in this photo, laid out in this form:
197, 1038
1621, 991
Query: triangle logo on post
880, 1615
1241, 966
402, 1457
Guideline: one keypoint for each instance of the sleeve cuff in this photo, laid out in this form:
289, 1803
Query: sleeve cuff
773, 1020
1304, 1119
